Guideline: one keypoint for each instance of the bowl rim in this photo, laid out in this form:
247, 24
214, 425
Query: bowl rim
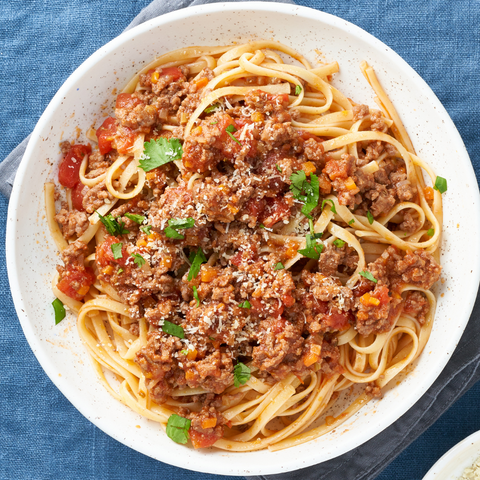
191, 12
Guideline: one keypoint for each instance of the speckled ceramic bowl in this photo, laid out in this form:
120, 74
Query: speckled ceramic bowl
452, 465
32, 255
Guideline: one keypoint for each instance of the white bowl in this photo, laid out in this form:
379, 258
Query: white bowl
31, 253
456, 460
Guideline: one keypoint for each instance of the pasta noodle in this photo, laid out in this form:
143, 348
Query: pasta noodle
245, 244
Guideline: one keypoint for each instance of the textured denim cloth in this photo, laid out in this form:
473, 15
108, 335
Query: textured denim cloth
41, 42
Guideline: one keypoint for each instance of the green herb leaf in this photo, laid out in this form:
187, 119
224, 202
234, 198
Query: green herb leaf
213, 123
184, 352
339, 243
312, 249
430, 232
117, 250
440, 184
173, 329
279, 266
262, 225
119, 271
278, 167
146, 229
307, 192
177, 428
135, 218
328, 200
352, 221
112, 225
138, 259
195, 295
230, 129
159, 152
212, 108
298, 90
241, 374
370, 217
317, 235
245, 304
197, 261
368, 276
172, 233
59, 311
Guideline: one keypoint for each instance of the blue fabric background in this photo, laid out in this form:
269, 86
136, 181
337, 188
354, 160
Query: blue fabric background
41, 42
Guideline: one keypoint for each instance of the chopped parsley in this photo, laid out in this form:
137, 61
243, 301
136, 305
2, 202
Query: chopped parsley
196, 260
312, 249
338, 243
298, 90
328, 200
146, 229
178, 223
117, 250
113, 226
278, 167
306, 192
213, 123
430, 232
59, 310
230, 129
212, 108
138, 259
368, 276
352, 221
241, 374
119, 271
177, 428
159, 152
135, 218
245, 304
195, 295
440, 184
173, 329
279, 266
184, 352
370, 217
262, 225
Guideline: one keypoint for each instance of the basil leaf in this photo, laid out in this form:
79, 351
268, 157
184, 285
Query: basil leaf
197, 261
173, 329
117, 250
368, 276
241, 374
177, 428
159, 152
59, 310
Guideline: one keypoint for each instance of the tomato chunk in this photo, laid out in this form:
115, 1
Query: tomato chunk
68, 175
76, 281
337, 320
78, 193
203, 440
105, 135
125, 139
174, 72
104, 253
126, 100
277, 209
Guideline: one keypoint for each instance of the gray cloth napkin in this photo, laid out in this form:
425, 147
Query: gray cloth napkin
368, 460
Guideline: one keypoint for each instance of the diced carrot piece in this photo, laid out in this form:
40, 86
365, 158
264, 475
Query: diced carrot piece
308, 168
209, 422
202, 82
350, 184
208, 273
310, 359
